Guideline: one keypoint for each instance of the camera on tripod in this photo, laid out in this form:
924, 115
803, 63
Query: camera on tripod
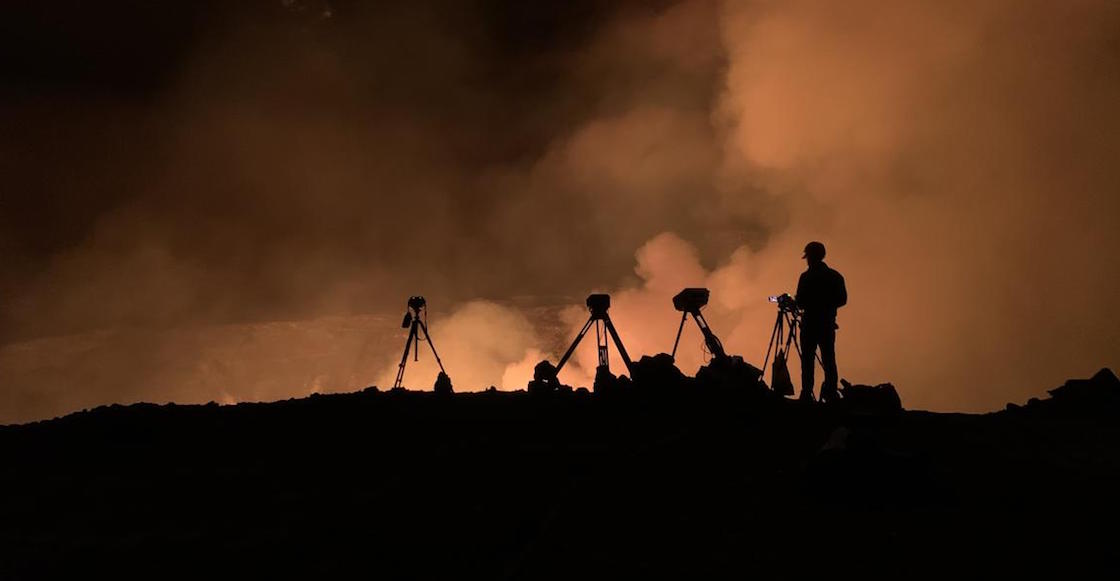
415, 320
598, 304
785, 302
414, 305
689, 302
691, 299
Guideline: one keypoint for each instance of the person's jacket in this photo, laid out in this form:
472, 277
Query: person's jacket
821, 291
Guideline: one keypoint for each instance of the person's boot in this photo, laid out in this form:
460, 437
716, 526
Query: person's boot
829, 394
806, 395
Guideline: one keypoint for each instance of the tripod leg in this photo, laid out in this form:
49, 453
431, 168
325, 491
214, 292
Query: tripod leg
792, 338
428, 338
404, 357
618, 343
773, 335
575, 343
679, 329
601, 346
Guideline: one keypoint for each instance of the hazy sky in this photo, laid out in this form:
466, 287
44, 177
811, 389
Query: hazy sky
214, 200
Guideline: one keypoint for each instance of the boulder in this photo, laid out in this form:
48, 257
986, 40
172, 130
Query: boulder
730, 373
606, 383
1095, 397
658, 374
544, 379
881, 399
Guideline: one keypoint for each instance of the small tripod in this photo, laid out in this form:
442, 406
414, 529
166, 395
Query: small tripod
598, 305
413, 322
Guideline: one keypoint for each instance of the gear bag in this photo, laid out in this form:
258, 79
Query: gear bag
780, 381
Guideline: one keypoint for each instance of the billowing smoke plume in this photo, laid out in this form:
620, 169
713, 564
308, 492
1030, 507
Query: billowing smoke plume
477, 344
234, 202
958, 162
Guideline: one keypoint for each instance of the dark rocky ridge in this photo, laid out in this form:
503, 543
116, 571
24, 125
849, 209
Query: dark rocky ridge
690, 484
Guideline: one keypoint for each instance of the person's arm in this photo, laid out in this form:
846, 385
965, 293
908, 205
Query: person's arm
841, 291
799, 295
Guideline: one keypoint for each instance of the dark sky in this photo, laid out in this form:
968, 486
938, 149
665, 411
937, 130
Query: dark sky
192, 164
194, 130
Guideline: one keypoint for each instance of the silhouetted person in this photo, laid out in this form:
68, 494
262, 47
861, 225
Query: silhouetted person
820, 291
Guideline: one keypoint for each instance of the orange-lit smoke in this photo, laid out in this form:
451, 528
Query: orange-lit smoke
955, 160
954, 157
476, 343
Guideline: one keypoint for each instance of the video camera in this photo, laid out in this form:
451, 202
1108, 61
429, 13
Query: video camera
414, 305
691, 300
785, 302
598, 303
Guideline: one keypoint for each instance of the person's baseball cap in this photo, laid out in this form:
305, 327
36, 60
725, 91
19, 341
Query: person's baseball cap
814, 250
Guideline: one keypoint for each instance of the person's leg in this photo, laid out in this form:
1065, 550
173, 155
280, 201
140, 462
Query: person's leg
828, 361
808, 360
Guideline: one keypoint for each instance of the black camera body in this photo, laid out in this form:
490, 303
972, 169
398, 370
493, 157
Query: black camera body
691, 300
785, 302
598, 304
414, 305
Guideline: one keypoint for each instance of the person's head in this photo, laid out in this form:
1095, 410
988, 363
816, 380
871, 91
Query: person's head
814, 252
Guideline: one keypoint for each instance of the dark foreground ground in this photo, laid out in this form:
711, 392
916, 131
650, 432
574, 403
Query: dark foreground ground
512, 486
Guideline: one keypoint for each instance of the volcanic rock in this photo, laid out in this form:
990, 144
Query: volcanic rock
731, 374
658, 374
1095, 397
707, 483
881, 399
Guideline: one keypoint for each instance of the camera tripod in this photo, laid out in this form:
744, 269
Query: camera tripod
413, 322
598, 304
785, 331
689, 302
